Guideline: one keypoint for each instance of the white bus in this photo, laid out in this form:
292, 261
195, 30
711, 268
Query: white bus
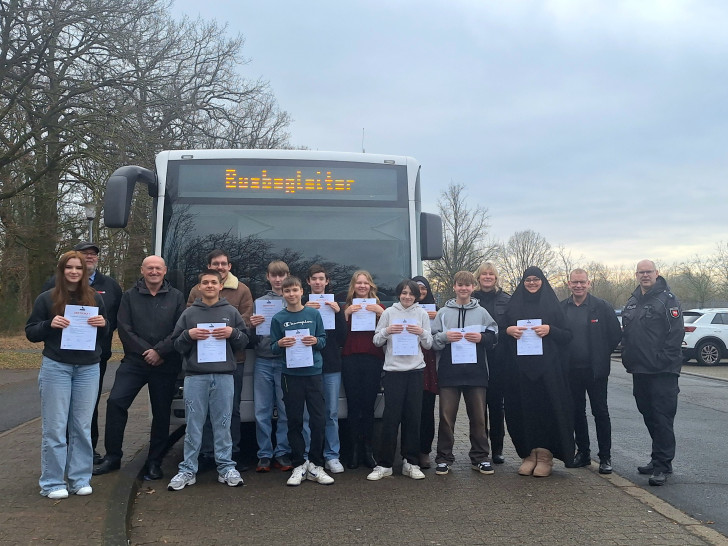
346, 211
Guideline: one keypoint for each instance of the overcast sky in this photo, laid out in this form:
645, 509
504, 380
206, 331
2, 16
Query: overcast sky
601, 125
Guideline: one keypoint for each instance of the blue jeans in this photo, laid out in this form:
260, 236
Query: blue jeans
67, 398
267, 393
208, 393
332, 446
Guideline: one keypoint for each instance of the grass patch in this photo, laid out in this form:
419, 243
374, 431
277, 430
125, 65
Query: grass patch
12, 360
13, 355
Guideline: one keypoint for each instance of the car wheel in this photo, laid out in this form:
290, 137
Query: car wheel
708, 353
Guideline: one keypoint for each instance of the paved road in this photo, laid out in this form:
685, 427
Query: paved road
20, 401
699, 485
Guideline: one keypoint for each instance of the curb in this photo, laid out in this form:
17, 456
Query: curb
692, 525
117, 525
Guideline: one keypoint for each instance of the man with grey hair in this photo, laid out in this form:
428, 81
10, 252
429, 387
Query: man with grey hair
596, 332
652, 353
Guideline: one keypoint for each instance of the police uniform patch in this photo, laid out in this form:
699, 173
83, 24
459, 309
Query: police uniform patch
674, 312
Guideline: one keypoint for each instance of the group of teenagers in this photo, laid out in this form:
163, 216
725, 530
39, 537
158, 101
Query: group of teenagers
468, 349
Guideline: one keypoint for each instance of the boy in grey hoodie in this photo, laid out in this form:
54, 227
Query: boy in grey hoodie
208, 385
403, 380
463, 318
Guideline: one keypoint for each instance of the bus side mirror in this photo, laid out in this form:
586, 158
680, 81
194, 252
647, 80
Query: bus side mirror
430, 236
120, 190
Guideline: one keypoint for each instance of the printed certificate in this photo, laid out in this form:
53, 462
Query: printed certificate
79, 335
464, 351
267, 308
404, 343
211, 349
300, 355
327, 313
363, 320
529, 343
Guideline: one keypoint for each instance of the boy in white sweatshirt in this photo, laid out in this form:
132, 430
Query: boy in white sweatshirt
405, 329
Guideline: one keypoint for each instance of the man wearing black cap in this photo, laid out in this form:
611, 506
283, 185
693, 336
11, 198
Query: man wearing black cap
110, 292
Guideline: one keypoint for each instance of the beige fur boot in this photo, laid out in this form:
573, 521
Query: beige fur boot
528, 464
544, 463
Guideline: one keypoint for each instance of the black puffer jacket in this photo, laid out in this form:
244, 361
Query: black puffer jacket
653, 331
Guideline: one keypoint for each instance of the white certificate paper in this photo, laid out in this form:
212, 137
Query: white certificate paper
79, 335
429, 307
404, 343
363, 320
529, 343
211, 349
267, 308
300, 355
327, 313
463, 351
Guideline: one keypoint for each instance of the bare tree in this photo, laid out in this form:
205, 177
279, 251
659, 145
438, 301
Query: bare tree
694, 280
465, 245
524, 249
88, 86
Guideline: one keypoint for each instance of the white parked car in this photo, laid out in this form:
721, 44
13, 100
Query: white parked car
706, 335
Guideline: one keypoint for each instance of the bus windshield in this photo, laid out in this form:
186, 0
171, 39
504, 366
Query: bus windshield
364, 227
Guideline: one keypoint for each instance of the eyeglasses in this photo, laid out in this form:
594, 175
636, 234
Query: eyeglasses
219, 264
89, 253
532, 280
646, 272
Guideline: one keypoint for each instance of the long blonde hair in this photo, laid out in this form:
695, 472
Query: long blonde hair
61, 295
352, 284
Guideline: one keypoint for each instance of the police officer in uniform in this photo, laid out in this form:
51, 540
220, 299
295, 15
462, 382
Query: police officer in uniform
652, 340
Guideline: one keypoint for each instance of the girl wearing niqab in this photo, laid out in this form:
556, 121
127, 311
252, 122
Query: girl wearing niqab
537, 397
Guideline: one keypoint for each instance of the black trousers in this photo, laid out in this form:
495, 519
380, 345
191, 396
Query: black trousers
361, 374
427, 421
582, 382
495, 415
301, 391
130, 378
95, 417
656, 397
403, 404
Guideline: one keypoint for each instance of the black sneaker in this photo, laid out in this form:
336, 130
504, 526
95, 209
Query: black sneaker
442, 469
658, 478
605, 466
263, 465
484, 468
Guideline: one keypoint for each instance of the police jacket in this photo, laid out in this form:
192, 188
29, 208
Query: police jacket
147, 322
110, 292
653, 331
604, 333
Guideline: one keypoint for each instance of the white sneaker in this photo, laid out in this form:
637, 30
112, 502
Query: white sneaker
181, 480
58, 494
379, 472
334, 466
412, 470
298, 474
87, 490
232, 478
318, 474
